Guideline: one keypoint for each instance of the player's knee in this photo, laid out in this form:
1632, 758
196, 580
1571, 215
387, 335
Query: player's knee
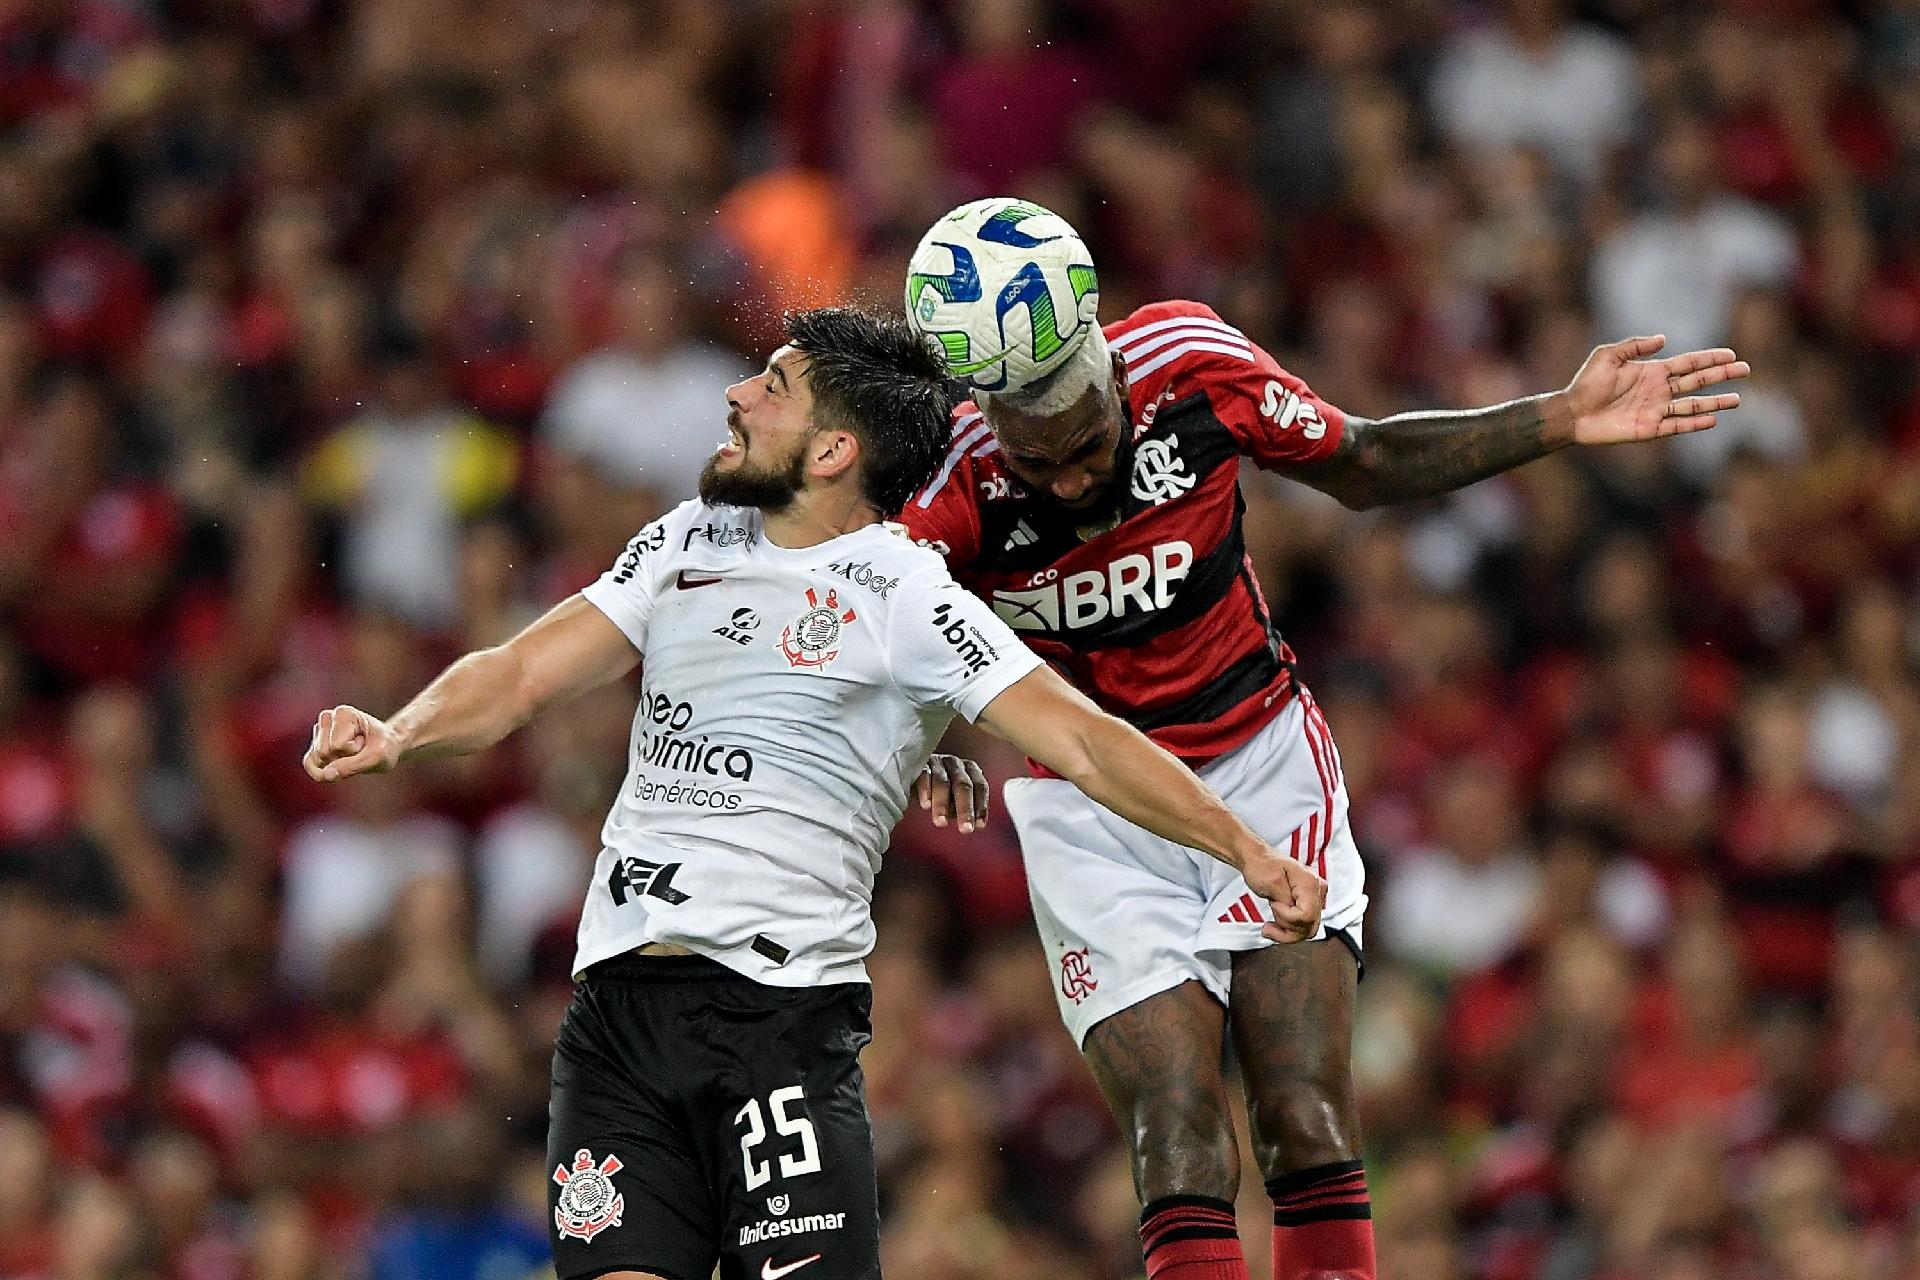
1304, 1122
1187, 1165
1183, 1145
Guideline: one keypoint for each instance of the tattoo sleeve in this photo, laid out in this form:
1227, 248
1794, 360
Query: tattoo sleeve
1428, 453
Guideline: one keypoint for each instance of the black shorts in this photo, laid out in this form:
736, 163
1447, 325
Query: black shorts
699, 1117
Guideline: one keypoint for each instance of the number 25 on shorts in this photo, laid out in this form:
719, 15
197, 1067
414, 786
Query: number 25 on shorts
791, 1166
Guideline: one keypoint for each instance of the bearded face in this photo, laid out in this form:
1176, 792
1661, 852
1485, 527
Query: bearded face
743, 473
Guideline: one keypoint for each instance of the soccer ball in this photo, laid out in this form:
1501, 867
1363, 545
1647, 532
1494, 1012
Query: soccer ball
1008, 290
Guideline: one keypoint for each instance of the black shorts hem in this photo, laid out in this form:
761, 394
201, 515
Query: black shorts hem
1352, 946
632, 968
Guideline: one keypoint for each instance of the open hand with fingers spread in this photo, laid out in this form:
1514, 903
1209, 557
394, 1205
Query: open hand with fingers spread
1621, 394
347, 741
954, 788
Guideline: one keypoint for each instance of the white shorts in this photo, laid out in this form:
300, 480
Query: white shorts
1125, 914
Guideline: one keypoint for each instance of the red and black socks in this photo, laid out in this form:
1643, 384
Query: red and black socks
1191, 1238
1323, 1224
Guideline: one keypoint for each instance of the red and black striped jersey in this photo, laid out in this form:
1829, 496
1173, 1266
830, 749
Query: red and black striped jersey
1159, 619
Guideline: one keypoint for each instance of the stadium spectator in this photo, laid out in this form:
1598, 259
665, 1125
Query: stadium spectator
1677, 267
642, 409
1538, 78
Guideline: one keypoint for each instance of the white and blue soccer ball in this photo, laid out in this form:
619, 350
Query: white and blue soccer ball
1007, 288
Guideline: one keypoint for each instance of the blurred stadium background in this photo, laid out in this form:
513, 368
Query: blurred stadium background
340, 336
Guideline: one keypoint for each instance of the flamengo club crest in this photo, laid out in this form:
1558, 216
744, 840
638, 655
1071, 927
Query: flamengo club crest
588, 1203
1076, 976
813, 638
1160, 473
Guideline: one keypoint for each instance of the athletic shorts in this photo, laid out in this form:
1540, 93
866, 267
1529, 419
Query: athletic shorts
701, 1118
1126, 915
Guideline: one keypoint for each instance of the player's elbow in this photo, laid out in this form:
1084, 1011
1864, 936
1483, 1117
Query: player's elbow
507, 669
1361, 485
1071, 751
1348, 481
1360, 477
1094, 749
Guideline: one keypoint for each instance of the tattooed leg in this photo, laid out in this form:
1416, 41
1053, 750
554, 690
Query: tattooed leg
1292, 1017
1158, 1063
1293, 1032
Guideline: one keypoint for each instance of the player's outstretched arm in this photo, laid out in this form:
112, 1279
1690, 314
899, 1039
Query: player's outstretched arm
1620, 395
1124, 770
481, 698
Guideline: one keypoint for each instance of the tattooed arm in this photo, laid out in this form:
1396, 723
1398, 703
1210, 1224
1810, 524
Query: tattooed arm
1424, 454
1613, 399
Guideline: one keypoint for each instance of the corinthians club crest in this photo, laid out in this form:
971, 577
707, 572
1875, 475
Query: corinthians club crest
588, 1203
813, 638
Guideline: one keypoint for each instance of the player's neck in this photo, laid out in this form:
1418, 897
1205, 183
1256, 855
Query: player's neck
817, 516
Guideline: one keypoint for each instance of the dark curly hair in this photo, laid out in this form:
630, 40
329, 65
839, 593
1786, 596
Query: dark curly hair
879, 379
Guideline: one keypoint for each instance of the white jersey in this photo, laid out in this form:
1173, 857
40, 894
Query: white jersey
789, 697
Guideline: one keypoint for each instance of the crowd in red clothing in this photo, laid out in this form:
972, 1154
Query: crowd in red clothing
339, 337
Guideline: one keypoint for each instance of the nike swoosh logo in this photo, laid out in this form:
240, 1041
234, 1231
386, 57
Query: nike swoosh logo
770, 1272
688, 583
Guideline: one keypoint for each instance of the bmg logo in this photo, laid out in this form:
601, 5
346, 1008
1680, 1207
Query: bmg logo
974, 650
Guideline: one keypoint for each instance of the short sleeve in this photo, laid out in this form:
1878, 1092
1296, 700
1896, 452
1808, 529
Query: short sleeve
1274, 416
947, 648
625, 592
943, 516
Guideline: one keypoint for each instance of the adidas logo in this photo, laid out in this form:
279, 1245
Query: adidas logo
1022, 536
1245, 911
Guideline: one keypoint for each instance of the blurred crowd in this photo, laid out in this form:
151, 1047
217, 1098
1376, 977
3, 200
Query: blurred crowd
338, 337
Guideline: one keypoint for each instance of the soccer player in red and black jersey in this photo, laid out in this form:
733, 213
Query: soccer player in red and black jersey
1099, 510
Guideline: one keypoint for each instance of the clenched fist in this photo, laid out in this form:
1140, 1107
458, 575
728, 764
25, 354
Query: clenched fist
347, 741
1296, 894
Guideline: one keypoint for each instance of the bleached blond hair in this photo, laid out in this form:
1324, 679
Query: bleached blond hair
1089, 365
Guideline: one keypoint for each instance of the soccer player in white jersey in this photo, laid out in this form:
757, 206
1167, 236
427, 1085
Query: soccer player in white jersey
799, 661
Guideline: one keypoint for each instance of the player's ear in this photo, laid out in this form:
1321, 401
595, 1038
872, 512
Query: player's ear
1119, 373
833, 451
